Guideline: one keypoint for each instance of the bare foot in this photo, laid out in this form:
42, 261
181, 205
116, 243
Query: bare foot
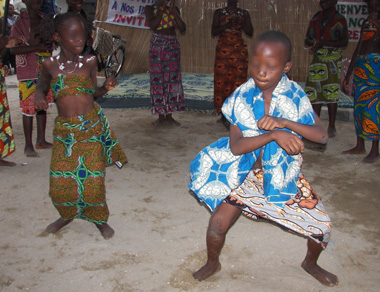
30, 152
172, 121
206, 271
57, 225
331, 132
355, 150
371, 158
324, 277
7, 163
106, 230
159, 122
44, 145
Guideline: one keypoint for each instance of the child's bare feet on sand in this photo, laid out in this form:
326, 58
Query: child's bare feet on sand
106, 230
7, 163
44, 145
324, 277
30, 152
57, 225
206, 271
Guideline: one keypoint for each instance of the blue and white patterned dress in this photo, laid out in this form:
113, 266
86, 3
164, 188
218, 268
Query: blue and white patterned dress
215, 171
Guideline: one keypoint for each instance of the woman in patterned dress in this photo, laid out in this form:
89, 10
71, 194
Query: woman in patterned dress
231, 55
166, 91
365, 65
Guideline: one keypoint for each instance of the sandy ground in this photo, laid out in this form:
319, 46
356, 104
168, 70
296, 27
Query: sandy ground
160, 227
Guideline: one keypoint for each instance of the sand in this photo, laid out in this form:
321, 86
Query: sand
160, 227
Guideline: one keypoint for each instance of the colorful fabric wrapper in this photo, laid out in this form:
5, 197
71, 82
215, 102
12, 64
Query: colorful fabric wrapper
166, 91
28, 87
82, 148
304, 214
7, 142
230, 67
367, 94
323, 82
215, 171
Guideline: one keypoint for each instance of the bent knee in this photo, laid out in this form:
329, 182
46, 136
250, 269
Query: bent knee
219, 225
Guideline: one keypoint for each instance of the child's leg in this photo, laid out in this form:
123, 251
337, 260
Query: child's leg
220, 222
41, 130
358, 149
106, 230
28, 130
57, 225
332, 109
310, 265
373, 154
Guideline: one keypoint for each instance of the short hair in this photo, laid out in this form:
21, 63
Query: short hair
275, 36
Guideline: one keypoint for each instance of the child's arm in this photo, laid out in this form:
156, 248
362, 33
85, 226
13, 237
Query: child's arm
241, 145
315, 133
40, 102
108, 85
40, 47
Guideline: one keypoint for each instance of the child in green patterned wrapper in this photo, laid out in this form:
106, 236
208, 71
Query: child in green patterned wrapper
83, 141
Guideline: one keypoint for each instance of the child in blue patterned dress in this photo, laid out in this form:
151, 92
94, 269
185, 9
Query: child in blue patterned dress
256, 171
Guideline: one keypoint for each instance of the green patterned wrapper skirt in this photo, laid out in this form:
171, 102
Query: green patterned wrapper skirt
82, 148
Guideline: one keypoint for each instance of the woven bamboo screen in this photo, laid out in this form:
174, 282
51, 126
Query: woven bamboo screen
198, 46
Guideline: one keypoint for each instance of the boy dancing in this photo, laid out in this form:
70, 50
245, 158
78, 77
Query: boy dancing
256, 171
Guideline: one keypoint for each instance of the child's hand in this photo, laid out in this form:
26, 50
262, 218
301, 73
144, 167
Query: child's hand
110, 83
269, 123
12, 43
289, 142
40, 104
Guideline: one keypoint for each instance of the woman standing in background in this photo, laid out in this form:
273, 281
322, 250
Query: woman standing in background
166, 91
231, 56
365, 64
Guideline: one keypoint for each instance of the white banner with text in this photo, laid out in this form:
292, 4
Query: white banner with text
355, 13
128, 12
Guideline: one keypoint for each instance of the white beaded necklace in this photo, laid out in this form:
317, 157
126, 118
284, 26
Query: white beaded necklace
62, 67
